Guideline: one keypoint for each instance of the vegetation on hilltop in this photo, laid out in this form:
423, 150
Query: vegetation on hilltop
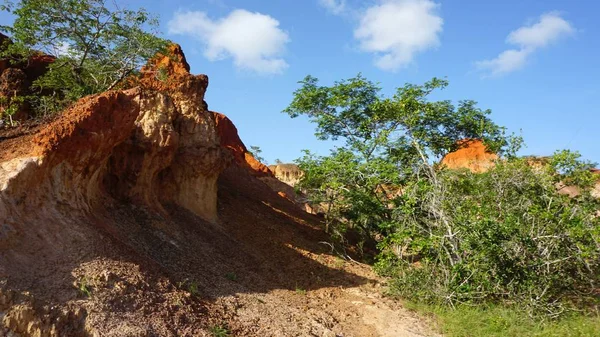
96, 46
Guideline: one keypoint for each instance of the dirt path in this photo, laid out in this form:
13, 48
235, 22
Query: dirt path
356, 311
368, 313
316, 293
386, 317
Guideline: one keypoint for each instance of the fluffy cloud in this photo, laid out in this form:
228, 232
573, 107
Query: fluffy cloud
550, 28
508, 61
397, 30
336, 7
253, 40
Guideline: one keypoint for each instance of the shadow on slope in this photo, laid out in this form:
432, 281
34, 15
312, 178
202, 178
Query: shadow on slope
159, 273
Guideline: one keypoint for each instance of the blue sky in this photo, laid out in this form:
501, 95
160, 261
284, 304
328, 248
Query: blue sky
534, 63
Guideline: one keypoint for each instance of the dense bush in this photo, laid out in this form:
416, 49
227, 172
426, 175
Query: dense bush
506, 236
448, 237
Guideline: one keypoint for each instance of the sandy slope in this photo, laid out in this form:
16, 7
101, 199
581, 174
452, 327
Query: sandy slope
126, 216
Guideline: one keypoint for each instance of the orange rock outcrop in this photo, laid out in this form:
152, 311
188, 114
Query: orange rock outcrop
153, 145
231, 140
472, 154
288, 173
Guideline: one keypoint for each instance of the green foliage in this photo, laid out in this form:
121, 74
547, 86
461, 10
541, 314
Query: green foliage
506, 236
97, 45
84, 287
190, 286
162, 74
388, 142
231, 276
255, 151
372, 125
219, 331
9, 106
300, 291
573, 171
450, 237
193, 288
502, 321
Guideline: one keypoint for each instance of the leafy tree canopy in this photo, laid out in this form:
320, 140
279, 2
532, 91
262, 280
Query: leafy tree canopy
97, 45
355, 110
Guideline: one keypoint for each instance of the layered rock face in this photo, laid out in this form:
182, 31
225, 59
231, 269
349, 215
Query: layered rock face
138, 145
472, 154
153, 147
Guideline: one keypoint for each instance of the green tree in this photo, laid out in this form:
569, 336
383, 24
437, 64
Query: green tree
449, 237
97, 45
255, 151
388, 142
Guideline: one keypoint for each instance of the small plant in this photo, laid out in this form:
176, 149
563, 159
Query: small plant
190, 286
255, 151
220, 331
84, 287
9, 107
162, 74
193, 288
231, 276
339, 263
43, 106
300, 291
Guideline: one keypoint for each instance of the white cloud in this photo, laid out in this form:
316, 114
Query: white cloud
397, 30
550, 28
336, 7
253, 40
508, 61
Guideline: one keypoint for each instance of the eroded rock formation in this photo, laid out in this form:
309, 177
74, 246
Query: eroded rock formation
472, 154
231, 140
151, 146
288, 173
137, 145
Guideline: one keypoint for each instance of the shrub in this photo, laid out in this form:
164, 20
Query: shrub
506, 236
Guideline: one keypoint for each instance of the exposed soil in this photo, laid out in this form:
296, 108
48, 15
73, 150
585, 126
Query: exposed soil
117, 219
262, 270
16, 141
